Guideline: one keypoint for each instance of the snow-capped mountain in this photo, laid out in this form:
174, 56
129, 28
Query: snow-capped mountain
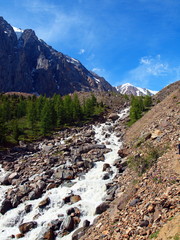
129, 89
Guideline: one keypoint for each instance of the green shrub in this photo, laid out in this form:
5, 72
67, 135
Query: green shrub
141, 162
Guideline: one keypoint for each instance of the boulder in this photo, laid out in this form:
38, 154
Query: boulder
12, 176
26, 227
47, 148
58, 173
49, 235
68, 174
28, 208
35, 194
102, 208
122, 153
113, 116
51, 185
68, 223
75, 198
144, 223
134, 202
55, 224
44, 203
4, 180
5, 206
86, 223
155, 134
19, 235
106, 166
79, 233
73, 211
106, 176
64, 174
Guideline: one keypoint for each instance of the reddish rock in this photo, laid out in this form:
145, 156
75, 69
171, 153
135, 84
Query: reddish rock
44, 203
49, 235
75, 198
26, 227
19, 235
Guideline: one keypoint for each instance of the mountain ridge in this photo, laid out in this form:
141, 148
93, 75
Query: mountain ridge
28, 64
130, 89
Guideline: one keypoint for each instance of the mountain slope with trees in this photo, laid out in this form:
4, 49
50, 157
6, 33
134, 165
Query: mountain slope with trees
28, 118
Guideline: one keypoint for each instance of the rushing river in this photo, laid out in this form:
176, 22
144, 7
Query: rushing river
91, 188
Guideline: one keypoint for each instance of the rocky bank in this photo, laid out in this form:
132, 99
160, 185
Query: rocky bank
147, 206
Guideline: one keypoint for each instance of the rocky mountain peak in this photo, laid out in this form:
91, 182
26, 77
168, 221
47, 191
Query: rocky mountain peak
28, 64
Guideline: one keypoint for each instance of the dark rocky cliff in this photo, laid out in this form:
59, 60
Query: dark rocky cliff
28, 64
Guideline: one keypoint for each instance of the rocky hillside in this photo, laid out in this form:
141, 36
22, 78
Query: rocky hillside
147, 200
166, 91
28, 64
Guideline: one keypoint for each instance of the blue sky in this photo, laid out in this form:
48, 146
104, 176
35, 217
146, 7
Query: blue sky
135, 41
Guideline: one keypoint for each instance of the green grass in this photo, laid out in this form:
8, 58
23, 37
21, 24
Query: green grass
154, 235
176, 237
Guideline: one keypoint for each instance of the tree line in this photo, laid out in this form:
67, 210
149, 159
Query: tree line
31, 117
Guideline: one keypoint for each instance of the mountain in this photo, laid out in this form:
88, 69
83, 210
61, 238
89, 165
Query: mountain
28, 64
129, 89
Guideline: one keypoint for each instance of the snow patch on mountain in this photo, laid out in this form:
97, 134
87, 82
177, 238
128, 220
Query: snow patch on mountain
18, 32
72, 60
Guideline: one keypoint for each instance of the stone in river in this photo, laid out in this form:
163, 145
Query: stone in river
26, 227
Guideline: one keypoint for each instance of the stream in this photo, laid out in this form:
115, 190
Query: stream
91, 188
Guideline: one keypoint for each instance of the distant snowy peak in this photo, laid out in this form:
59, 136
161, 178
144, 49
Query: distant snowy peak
129, 89
18, 32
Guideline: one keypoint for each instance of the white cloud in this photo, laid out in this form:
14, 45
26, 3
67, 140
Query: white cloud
81, 51
98, 70
154, 66
152, 69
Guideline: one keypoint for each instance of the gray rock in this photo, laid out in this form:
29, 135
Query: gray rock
144, 223
35, 194
68, 223
134, 202
113, 116
102, 208
28, 208
106, 176
79, 233
4, 180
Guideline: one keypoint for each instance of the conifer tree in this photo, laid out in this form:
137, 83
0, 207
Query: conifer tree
147, 101
15, 130
46, 121
31, 113
68, 109
77, 110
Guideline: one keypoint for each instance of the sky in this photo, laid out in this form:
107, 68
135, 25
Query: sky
124, 41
